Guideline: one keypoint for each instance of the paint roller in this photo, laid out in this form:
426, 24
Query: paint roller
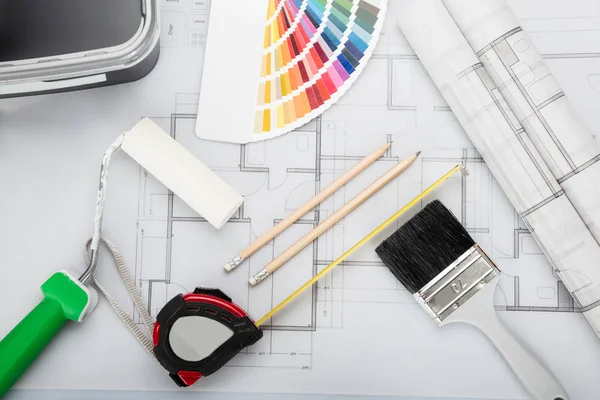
66, 298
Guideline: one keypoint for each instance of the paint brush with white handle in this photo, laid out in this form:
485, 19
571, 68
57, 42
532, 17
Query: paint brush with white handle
436, 259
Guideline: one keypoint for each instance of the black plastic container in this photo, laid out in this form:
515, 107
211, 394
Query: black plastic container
51, 46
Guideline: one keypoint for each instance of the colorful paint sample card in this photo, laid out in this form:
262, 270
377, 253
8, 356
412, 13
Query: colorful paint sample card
273, 65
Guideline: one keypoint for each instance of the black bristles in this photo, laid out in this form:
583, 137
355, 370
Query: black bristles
425, 246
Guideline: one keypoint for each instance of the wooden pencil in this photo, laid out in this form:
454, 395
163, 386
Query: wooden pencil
333, 219
361, 243
300, 212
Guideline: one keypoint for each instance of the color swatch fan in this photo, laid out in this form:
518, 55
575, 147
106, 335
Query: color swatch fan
273, 65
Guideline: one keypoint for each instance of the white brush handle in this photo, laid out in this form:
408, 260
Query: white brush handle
479, 311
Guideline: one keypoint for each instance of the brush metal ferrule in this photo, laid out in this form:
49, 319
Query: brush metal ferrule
457, 284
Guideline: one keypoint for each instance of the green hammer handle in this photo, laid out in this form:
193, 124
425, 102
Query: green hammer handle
20, 348
65, 298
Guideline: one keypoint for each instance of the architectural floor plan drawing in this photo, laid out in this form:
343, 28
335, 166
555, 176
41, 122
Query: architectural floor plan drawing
357, 332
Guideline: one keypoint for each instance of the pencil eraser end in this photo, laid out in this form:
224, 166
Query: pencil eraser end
181, 172
228, 267
252, 281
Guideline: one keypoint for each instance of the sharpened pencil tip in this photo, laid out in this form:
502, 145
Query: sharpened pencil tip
418, 153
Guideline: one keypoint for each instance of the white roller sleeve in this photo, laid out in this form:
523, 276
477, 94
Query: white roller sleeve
182, 173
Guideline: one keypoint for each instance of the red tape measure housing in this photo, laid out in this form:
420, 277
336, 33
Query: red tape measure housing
213, 305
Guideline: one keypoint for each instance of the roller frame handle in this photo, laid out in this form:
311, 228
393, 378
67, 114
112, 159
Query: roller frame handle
65, 298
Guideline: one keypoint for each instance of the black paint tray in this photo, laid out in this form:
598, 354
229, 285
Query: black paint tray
51, 46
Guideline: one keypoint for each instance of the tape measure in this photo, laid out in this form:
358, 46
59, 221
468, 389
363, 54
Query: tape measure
196, 334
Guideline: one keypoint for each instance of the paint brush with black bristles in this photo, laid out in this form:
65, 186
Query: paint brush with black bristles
436, 259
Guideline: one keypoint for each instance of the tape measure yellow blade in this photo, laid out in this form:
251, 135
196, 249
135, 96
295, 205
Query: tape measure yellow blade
366, 239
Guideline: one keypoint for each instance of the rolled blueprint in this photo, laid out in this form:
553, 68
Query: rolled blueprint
507, 150
537, 100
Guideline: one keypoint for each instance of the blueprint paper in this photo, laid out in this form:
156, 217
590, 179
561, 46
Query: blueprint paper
536, 98
327, 341
506, 148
